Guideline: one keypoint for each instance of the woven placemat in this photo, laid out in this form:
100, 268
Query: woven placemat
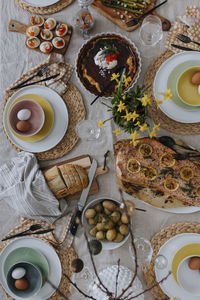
47, 10
76, 110
157, 241
156, 114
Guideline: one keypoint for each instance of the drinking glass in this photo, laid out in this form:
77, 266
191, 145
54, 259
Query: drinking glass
150, 34
84, 20
144, 251
88, 130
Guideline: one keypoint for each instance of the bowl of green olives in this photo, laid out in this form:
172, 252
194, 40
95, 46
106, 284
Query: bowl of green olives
106, 221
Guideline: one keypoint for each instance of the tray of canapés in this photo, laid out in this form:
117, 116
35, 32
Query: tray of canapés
44, 35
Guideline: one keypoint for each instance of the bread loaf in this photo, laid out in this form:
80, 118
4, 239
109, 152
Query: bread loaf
66, 179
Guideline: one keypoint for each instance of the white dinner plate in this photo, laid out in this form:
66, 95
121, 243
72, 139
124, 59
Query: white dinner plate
55, 269
40, 3
169, 249
60, 119
169, 108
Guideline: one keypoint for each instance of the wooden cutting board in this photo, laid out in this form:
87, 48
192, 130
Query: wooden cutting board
15, 26
114, 15
85, 162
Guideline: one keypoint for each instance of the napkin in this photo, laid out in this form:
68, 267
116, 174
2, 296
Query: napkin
189, 25
56, 64
23, 187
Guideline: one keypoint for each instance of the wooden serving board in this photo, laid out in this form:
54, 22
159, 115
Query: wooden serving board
114, 15
15, 26
85, 162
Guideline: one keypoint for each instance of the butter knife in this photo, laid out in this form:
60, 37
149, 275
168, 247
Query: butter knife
28, 233
183, 48
83, 199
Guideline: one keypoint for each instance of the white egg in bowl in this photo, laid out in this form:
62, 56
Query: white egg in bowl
58, 43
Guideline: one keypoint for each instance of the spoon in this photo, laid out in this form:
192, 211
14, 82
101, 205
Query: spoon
182, 156
170, 142
33, 227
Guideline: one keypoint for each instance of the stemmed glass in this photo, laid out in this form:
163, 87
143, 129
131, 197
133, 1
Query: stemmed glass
88, 130
150, 34
84, 20
144, 251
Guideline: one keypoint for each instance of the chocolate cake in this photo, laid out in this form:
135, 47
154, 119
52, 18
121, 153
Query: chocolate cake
102, 56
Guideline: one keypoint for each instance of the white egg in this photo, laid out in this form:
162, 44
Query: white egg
24, 114
18, 273
199, 89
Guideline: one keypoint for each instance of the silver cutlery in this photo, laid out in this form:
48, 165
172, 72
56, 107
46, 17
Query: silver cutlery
42, 80
40, 73
170, 142
182, 156
185, 39
38, 232
183, 48
33, 227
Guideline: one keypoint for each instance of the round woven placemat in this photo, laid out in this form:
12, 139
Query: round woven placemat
76, 110
47, 10
157, 241
156, 114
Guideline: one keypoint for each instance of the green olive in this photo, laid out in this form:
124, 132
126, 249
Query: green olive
124, 229
100, 235
90, 213
91, 221
98, 208
119, 237
115, 216
93, 231
109, 205
111, 234
124, 219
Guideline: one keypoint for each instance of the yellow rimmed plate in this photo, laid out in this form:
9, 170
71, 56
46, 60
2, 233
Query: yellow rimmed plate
188, 250
49, 118
187, 91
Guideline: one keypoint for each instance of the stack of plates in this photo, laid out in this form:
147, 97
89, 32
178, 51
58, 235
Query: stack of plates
175, 250
167, 77
56, 119
38, 252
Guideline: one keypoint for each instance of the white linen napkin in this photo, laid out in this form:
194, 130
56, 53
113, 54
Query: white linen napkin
23, 187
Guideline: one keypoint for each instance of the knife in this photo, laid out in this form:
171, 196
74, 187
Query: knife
183, 48
45, 79
83, 199
28, 233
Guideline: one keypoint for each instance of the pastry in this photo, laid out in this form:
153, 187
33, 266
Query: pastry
33, 42
50, 23
32, 30
46, 34
37, 20
102, 56
150, 172
61, 29
58, 43
46, 47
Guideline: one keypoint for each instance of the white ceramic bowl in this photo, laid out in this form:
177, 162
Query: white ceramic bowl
106, 245
187, 278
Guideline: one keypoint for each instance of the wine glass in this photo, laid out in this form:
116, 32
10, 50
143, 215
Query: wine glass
150, 34
144, 251
88, 130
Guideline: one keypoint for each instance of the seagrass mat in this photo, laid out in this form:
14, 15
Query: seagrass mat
44, 10
66, 254
157, 241
74, 102
155, 113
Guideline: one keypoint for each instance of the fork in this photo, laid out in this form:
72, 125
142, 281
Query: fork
40, 73
185, 39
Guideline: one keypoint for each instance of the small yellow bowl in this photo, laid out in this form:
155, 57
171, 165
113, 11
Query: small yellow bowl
187, 91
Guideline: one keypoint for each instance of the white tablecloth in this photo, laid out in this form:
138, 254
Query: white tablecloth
15, 58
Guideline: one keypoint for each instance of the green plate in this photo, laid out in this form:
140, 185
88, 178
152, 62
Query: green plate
30, 255
172, 82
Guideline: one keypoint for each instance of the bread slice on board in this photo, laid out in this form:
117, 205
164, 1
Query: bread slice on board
55, 182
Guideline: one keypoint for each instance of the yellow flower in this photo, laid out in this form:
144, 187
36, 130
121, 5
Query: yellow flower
167, 94
158, 102
101, 124
145, 100
143, 127
114, 76
128, 116
124, 97
152, 133
117, 132
134, 136
121, 106
134, 116
157, 127
127, 80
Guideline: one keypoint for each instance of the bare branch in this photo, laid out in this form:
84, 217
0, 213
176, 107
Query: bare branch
117, 275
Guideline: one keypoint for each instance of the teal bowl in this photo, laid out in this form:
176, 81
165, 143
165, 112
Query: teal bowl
33, 276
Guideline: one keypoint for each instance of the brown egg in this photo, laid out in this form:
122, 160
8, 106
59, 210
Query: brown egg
194, 263
21, 284
195, 78
23, 126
